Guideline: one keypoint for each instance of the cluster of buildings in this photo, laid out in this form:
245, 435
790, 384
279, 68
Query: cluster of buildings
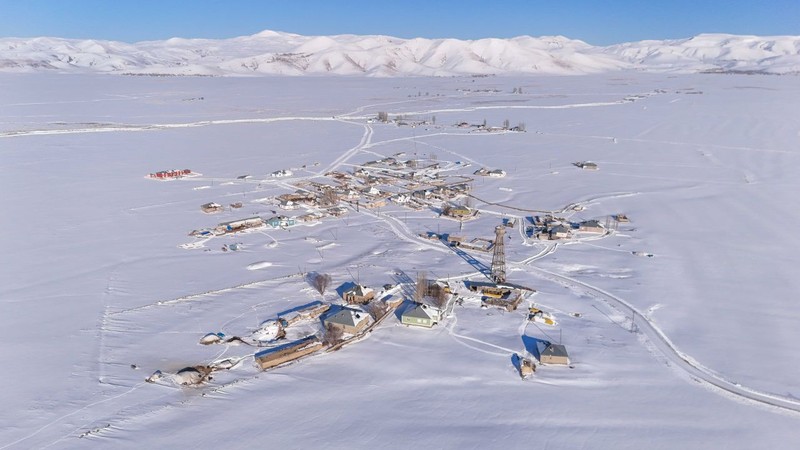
494, 173
555, 228
171, 174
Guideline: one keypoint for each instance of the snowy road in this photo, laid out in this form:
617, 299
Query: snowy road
664, 346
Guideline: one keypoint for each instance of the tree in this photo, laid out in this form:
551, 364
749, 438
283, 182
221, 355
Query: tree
437, 293
484, 123
506, 124
332, 335
421, 288
321, 281
377, 309
329, 196
521, 126
433, 120
383, 116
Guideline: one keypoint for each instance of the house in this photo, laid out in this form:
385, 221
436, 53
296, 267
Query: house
337, 211
310, 217
307, 312
358, 294
622, 218
587, 165
239, 225
349, 320
351, 194
591, 226
275, 356
457, 211
280, 221
288, 205
420, 315
496, 173
281, 173
401, 198
455, 241
211, 208
559, 232
554, 354
170, 174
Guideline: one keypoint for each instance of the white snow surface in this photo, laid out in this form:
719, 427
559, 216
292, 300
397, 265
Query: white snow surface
99, 289
271, 52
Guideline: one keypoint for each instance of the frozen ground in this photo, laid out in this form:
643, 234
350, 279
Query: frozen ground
95, 278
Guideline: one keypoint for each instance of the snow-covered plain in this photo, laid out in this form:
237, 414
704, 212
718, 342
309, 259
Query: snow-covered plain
95, 278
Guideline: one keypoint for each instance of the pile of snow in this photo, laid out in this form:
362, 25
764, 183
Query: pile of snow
272, 52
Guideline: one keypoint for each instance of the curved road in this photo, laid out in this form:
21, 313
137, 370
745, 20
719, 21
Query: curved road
672, 353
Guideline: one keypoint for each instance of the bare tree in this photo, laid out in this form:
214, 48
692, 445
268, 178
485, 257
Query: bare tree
506, 124
383, 116
421, 288
378, 309
433, 120
439, 296
521, 126
332, 335
329, 196
321, 281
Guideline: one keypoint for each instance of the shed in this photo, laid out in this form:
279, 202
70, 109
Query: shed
275, 356
211, 208
348, 320
554, 354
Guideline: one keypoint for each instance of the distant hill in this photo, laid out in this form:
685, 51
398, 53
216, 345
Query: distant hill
270, 53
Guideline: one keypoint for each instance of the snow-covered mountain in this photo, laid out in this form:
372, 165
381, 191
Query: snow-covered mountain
272, 52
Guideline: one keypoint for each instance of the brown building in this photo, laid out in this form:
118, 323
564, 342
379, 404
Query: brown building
358, 295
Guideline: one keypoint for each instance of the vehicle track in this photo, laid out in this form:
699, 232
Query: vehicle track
665, 346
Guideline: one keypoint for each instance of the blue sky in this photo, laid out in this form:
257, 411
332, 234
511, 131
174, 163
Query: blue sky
598, 22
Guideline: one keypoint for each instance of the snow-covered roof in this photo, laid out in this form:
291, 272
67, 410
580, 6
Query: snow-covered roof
359, 290
348, 316
555, 350
420, 311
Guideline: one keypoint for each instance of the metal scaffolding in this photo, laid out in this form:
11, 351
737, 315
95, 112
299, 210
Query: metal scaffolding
499, 256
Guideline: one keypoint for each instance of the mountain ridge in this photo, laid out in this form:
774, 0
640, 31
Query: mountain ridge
278, 53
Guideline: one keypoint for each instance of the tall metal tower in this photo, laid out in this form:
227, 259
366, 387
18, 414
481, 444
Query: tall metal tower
499, 256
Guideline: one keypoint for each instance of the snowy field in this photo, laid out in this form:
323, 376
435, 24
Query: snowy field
692, 347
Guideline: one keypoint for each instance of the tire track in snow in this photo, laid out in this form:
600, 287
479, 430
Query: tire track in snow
364, 143
107, 128
664, 345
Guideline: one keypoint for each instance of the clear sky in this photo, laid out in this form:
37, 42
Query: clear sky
598, 22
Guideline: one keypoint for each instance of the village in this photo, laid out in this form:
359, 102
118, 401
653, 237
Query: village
401, 181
